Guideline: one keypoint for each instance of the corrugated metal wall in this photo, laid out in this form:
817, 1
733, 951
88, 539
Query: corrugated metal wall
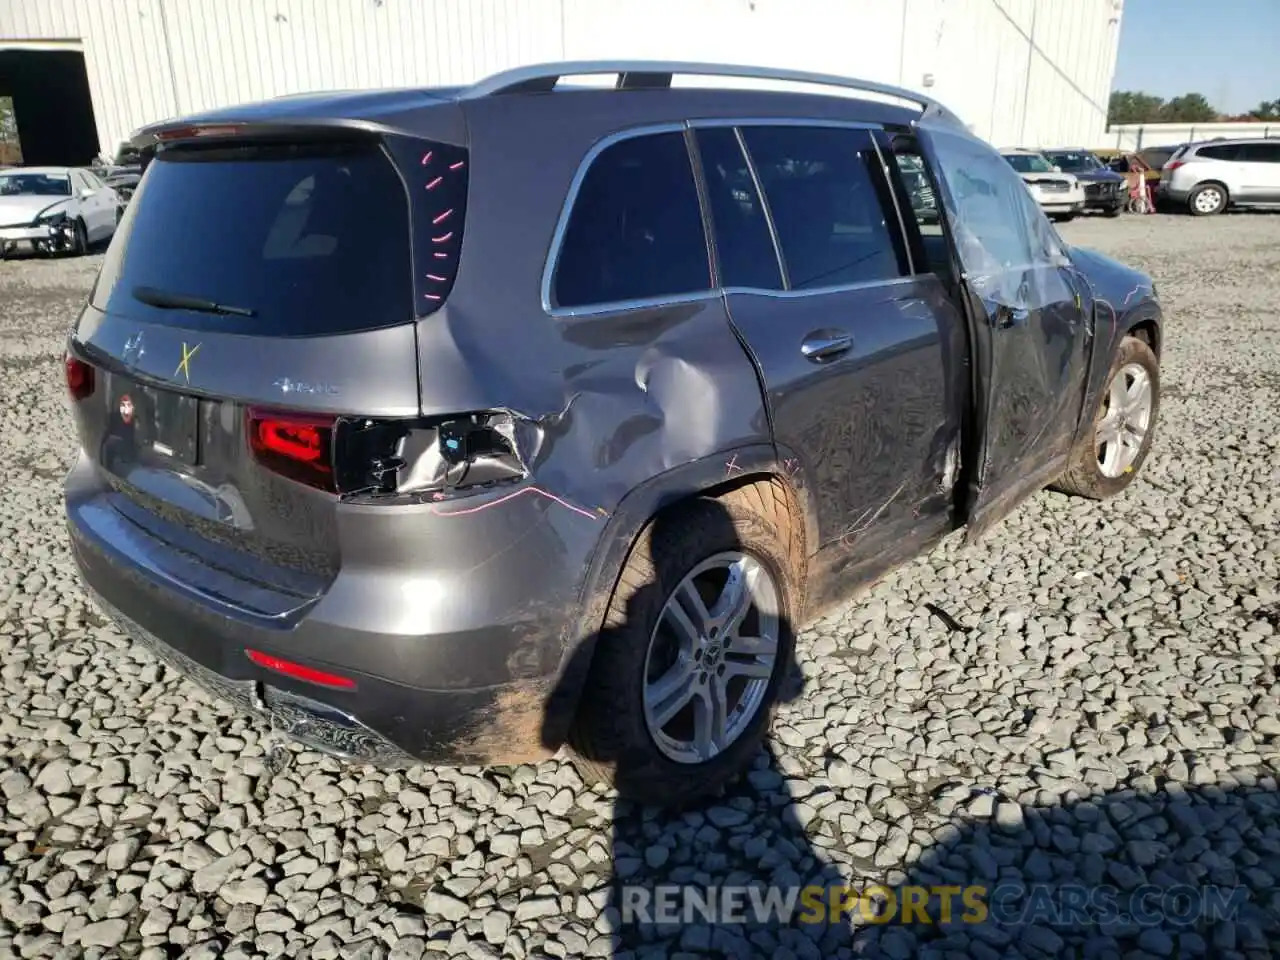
1034, 72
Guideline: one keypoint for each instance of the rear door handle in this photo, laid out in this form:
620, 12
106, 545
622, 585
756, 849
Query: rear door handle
825, 345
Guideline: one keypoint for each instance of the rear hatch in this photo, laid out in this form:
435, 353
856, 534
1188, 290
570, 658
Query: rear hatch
256, 311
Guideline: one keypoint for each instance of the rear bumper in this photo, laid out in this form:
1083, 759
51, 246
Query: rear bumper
435, 689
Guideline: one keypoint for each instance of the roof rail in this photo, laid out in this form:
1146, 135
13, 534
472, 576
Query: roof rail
657, 74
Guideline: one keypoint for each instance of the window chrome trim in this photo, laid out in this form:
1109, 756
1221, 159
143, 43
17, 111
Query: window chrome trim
696, 296
897, 208
566, 211
783, 276
823, 291
790, 121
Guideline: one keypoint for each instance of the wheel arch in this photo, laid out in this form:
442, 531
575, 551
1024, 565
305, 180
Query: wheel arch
708, 477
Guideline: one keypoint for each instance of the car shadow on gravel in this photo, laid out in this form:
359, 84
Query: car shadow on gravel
1185, 871
672, 868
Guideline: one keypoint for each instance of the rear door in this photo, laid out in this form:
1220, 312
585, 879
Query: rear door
259, 295
852, 345
1031, 340
1262, 161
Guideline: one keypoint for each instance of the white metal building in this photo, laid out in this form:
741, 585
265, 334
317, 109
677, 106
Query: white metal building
1020, 72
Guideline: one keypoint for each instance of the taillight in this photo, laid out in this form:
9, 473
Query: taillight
79, 377
1173, 165
300, 672
297, 446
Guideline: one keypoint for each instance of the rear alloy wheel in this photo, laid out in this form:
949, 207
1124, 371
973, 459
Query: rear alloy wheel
695, 647
1207, 199
1108, 457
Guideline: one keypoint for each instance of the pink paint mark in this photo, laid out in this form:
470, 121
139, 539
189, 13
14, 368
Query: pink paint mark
440, 256
511, 496
442, 239
432, 276
732, 465
432, 296
426, 158
434, 183
457, 166
442, 218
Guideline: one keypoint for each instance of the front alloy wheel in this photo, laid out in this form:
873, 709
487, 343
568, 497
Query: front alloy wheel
710, 657
1126, 416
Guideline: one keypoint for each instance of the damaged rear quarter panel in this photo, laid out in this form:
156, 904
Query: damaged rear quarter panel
609, 401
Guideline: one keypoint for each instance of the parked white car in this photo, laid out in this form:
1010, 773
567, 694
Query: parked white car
1207, 178
55, 209
1060, 195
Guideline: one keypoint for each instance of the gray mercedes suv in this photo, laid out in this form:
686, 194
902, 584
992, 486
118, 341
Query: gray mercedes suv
464, 425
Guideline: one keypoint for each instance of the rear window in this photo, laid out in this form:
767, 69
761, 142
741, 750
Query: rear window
313, 238
1225, 151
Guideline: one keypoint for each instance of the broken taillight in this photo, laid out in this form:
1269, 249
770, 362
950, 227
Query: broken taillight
297, 446
80, 379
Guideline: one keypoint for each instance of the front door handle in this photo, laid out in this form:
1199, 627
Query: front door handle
825, 345
1013, 317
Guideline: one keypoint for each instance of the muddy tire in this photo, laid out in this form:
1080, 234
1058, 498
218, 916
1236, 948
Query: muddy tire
1109, 456
644, 649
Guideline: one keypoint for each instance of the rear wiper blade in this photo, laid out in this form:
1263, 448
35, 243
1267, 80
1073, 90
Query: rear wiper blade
180, 301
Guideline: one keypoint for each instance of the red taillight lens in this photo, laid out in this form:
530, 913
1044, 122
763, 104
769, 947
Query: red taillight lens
1173, 165
297, 446
79, 377
299, 672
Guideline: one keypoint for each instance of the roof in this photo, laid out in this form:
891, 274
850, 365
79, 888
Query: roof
401, 110
1021, 151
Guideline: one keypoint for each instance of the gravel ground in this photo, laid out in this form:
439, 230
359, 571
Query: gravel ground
1108, 715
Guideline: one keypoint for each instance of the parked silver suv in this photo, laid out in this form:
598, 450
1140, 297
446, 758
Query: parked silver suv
1209, 177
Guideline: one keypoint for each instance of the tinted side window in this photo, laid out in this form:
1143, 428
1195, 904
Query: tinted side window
1261, 152
830, 205
743, 243
635, 231
1221, 152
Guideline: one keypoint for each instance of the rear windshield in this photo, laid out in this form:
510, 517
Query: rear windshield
311, 238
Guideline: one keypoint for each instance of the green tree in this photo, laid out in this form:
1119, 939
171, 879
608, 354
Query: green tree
1266, 110
10, 149
1188, 108
8, 124
1133, 106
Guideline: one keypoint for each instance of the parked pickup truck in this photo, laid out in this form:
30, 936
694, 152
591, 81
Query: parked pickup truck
557, 440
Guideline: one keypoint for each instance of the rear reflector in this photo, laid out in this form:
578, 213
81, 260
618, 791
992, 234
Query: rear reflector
297, 446
299, 672
79, 377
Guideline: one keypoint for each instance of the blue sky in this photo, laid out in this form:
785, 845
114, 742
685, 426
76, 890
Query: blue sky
1229, 50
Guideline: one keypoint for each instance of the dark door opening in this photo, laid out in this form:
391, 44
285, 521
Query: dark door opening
51, 106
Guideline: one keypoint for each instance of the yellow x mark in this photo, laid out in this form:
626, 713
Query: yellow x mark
184, 367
